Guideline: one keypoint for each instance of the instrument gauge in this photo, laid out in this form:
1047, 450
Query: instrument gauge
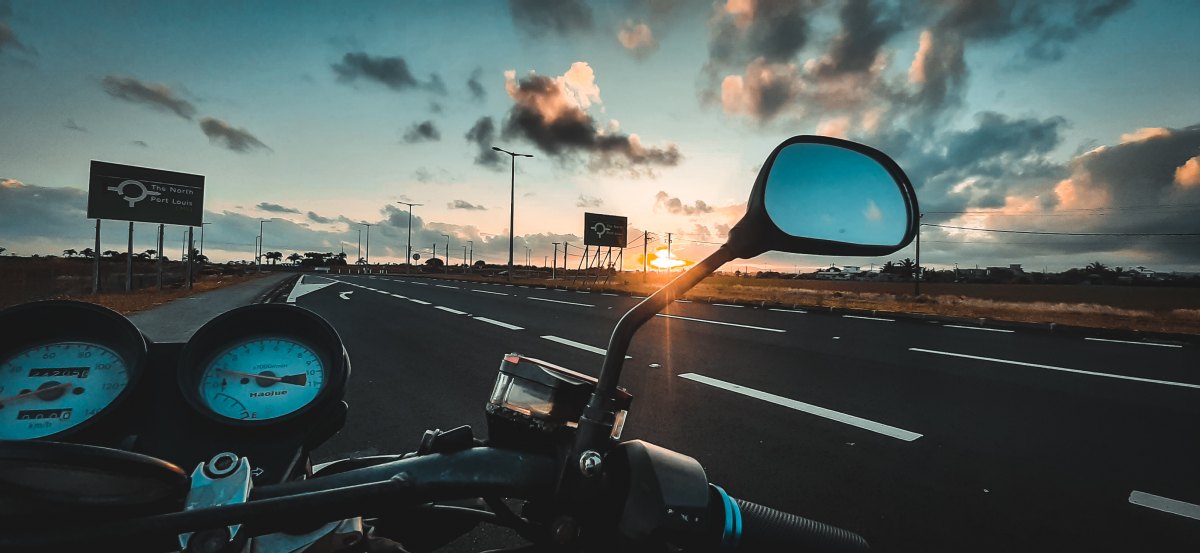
50, 388
261, 379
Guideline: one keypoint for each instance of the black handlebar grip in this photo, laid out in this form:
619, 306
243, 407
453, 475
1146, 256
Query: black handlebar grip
766, 529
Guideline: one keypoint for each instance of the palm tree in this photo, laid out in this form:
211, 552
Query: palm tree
87, 252
1097, 267
273, 256
294, 258
888, 267
906, 267
70, 253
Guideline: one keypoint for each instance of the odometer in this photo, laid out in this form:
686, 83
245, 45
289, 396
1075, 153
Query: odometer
262, 379
53, 387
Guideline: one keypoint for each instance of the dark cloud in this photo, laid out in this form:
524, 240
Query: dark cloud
436, 108
865, 28
425, 174
140, 143
483, 135
238, 140
391, 72
71, 125
542, 17
276, 208
475, 87
312, 216
588, 201
156, 95
424, 131
775, 30
463, 204
550, 116
1085, 16
675, 206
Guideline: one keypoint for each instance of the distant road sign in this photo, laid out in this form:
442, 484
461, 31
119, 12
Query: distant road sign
416, 256
128, 193
604, 230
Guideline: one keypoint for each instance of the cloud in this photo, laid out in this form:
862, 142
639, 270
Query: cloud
762, 92
8, 39
541, 17
425, 131
436, 108
424, 174
155, 95
483, 135
463, 204
637, 38
238, 140
551, 112
10, 183
675, 206
71, 125
276, 208
588, 201
312, 216
864, 31
391, 72
1188, 174
475, 87
1143, 134
140, 143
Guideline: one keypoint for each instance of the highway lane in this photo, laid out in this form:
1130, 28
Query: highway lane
1007, 456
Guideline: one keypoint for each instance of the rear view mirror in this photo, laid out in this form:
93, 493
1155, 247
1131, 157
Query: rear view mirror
820, 195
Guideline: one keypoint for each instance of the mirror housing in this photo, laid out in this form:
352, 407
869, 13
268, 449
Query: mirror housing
757, 233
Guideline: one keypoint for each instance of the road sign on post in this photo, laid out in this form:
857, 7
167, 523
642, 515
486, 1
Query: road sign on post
604, 230
128, 193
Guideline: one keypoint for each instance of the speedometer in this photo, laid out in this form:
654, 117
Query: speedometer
261, 379
47, 389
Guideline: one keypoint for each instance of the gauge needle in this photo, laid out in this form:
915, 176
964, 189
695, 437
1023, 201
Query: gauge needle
31, 393
294, 379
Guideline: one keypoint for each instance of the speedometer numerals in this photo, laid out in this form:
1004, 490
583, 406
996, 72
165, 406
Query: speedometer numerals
50, 388
262, 379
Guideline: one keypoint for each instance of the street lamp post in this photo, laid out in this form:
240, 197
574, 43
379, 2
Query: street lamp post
472, 262
408, 250
258, 257
202, 225
555, 265
512, 205
367, 259
447, 252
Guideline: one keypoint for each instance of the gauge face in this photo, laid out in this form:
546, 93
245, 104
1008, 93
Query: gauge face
262, 379
51, 388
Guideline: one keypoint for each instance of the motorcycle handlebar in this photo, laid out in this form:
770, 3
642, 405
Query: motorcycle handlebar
748, 526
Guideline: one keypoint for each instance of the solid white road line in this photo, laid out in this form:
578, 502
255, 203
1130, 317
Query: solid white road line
447, 309
418, 301
1164, 504
976, 328
560, 301
877, 427
1137, 343
868, 318
444, 286
1063, 369
498, 323
720, 323
727, 305
574, 344
490, 292
787, 310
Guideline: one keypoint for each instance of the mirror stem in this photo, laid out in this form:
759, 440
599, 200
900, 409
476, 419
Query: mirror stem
597, 422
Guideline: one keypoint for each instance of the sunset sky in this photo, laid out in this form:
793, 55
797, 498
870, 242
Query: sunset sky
1067, 116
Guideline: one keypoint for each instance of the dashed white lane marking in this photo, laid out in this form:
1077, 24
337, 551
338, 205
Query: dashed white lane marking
448, 310
865, 424
977, 328
1063, 369
720, 323
1137, 343
582, 292
787, 310
683, 301
1165, 504
727, 305
444, 286
559, 290
607, 294
560, 301
421, 283
574, 344
498, 323
490, 292
868, 318
414, 300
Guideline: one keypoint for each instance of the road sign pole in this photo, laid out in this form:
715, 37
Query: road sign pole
191, 248
161, 228
96, 262
129, 261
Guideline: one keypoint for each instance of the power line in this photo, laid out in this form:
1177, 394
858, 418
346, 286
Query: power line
1066, 233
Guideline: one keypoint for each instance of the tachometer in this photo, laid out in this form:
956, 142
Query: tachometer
50, 388
262, 379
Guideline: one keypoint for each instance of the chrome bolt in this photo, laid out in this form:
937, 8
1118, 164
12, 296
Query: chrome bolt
222, 464
590, 463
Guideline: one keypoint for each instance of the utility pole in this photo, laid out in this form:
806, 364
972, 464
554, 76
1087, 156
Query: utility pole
645, 250
472, 262
465, 260
359, 255
512, 205
917, 276
447, 264
202, 225
258, 258
368, 258
408, 250
670, 258
554, 267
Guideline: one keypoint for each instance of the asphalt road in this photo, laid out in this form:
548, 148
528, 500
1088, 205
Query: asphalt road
921, 436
